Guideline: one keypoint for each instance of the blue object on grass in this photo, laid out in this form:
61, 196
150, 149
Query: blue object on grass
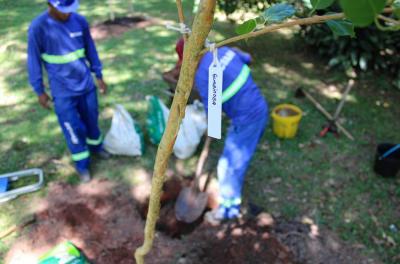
390, 151
3, 184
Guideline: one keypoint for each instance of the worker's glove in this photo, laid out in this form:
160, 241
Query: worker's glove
44, 100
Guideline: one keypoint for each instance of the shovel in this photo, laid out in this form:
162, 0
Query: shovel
331, 126
192, 202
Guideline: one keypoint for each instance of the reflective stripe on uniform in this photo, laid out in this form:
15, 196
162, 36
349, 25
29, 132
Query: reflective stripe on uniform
63, 59
236, 84
80, 156
227, 203
94, 142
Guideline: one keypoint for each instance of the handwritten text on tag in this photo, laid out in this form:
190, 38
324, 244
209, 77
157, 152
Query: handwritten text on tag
215, 76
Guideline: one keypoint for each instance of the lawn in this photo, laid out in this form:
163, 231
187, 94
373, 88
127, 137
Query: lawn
329, 180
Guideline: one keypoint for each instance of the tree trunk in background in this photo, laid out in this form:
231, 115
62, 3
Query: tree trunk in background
130, 2
191, 56
110, 11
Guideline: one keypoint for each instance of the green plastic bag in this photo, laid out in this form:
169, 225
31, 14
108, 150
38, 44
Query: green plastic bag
156, 118
65, 253
140, 132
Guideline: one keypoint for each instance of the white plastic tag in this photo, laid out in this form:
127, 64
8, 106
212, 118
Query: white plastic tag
215, 78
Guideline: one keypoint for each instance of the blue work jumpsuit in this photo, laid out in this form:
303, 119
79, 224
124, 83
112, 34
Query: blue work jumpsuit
64, 48
244, 104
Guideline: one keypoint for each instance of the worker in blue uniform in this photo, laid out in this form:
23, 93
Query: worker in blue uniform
59, 39
247, 109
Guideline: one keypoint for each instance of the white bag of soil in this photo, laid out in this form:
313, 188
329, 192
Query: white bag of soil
124, 136
193, 127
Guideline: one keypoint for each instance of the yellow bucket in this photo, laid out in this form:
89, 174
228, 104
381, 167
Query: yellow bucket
286, 119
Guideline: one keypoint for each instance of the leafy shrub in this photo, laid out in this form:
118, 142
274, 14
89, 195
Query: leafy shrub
371, 49
230, 6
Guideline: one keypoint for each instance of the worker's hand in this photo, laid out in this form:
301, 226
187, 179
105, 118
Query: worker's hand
170, 78
44, 100
102, 86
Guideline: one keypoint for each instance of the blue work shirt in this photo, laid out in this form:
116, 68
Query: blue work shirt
63, 47
247, 104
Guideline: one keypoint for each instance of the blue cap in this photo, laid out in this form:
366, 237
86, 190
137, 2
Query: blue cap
65, 6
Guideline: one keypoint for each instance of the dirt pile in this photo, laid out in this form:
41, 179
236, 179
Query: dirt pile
104, 221
100, 218
119, 26
235, 243
309, 244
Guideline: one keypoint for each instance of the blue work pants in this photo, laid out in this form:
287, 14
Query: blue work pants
78, 118
240, 145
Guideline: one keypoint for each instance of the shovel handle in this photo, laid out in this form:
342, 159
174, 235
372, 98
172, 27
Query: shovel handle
390, 151
203, 157
201, 162
350, 85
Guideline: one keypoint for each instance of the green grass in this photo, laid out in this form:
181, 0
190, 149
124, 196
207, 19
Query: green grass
329, 180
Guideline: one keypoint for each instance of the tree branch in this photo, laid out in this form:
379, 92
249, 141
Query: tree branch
181, 16
290, 23
388, 19
275, 27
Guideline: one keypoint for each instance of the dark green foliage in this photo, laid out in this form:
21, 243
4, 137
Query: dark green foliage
396, 6
362, 12
341, 28
229, 6
273, 14
371, 50
321, 4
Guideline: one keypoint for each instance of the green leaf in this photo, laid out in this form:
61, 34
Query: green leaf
307, 3
396, 6
341, 28
362, 12
333, 62
321, 4
278, 13
247, 27
260, 20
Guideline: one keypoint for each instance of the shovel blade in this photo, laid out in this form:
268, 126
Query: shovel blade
190, 205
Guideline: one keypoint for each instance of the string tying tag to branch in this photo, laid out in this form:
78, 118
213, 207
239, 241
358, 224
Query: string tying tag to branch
214, 52
215, 79
207, 43
183, 28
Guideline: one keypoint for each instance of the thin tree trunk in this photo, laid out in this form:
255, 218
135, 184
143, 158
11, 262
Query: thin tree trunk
191, 56
181, 16
130, 2
110, 11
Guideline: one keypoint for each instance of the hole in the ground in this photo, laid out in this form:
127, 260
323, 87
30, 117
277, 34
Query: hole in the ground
167, 222
124, 21
118, 26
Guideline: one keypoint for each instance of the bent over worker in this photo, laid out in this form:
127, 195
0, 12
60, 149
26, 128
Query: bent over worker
247, 109
60, 40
